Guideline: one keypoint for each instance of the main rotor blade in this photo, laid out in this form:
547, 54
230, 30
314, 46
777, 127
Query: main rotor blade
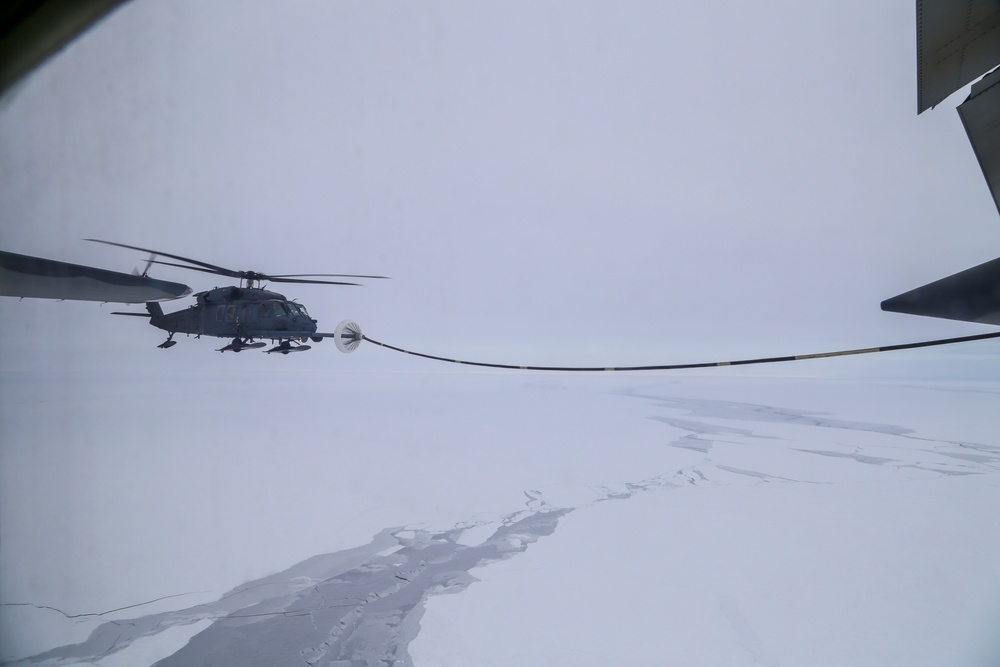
260, 276
277, 279
324, 275
221, 270
191, 268
205, 267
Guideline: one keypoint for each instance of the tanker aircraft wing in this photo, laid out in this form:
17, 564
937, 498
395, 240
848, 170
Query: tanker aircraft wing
972, 295
957, 42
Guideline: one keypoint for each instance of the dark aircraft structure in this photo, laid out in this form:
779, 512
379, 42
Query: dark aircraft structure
32, 31
35, 277
957, 42
247, 314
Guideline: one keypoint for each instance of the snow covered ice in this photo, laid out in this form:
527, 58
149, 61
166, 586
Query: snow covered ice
545, 520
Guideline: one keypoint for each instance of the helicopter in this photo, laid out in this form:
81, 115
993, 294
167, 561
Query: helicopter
247, 314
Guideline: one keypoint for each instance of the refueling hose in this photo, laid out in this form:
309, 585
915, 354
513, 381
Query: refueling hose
671, 367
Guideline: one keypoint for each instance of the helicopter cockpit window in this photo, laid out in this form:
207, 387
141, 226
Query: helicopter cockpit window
271, 309
294, 308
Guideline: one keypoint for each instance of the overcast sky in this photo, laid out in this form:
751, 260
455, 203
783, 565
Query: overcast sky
559, 182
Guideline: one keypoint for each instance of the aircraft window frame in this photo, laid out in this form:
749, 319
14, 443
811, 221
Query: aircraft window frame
230, 313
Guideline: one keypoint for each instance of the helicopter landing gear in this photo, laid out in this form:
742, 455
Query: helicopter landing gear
285, 346
240, 344
169, 342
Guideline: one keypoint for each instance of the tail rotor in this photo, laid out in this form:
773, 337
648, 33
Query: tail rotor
145, 271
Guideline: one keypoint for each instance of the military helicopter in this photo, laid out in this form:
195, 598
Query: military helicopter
247, 314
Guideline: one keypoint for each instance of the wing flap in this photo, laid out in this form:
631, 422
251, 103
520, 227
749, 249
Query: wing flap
979, 114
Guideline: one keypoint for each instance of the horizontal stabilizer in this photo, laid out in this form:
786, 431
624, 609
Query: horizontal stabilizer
972, 295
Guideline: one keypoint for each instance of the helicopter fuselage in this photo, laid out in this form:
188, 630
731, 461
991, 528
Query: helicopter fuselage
239, 313
247, 314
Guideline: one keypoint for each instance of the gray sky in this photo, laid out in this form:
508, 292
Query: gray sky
547, 183
577, 183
